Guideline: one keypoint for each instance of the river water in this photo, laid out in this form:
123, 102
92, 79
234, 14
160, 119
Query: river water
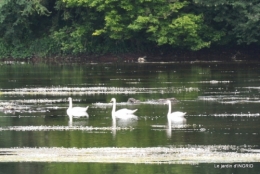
221, 101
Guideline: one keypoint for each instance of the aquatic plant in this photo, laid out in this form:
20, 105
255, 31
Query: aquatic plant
149, 155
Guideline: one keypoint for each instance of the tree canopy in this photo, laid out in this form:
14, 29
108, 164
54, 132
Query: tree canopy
51, 27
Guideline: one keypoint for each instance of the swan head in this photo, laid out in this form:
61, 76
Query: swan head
167, 102
70, 99
113, 100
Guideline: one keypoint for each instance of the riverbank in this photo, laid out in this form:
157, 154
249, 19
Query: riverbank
218, 54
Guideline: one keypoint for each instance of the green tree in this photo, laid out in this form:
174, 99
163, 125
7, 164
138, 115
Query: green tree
239, 19
16, 19
161, 22
21, 21
74, 31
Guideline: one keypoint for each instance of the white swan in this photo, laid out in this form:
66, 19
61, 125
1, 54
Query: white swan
76, 111
175, 116
122, 113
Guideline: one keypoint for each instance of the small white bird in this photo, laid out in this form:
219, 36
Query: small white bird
141, 59
76, 111
175, 116
122, 113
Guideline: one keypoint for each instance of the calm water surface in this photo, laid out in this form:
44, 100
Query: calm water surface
221, 100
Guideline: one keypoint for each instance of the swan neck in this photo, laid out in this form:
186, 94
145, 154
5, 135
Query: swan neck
70, 103
170, 109
114, 107
113, 123
114, 110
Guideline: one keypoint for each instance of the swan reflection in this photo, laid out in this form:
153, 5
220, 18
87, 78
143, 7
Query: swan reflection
175, 125
117, 123
77, 123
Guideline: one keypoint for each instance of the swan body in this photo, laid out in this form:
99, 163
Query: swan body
76, 111
122, 113
175, 116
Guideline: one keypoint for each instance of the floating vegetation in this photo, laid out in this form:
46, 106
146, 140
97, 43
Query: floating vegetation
60, 128
237, 115
158, 155
22, 106
148, 101
11, 103
93, 90
212, 82
39, 101
252, 87
229, 115
229, 99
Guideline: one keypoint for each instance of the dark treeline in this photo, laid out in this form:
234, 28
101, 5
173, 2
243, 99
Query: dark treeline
44, 28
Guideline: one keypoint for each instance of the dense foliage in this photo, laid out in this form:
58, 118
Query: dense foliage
56, 27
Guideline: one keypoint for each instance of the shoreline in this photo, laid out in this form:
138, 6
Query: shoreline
177, 56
